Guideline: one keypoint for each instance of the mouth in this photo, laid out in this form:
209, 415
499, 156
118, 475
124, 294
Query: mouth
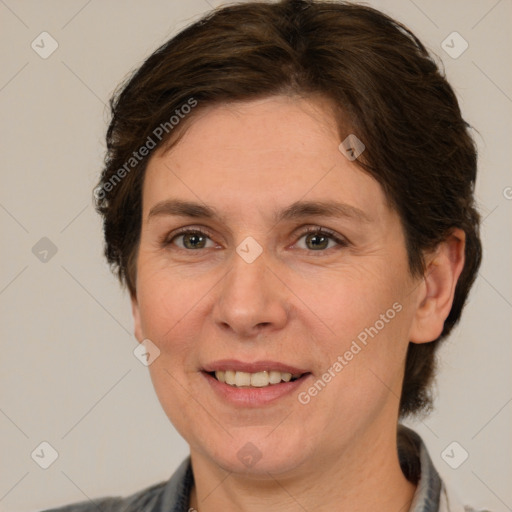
261, 379
253, 384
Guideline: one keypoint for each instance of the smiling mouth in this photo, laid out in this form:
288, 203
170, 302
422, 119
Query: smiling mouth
254, 380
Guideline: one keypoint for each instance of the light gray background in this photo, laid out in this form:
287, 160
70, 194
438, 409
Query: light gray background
68, 374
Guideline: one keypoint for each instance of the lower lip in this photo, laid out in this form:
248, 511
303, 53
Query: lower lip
254, 397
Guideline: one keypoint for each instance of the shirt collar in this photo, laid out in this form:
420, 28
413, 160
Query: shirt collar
419, 469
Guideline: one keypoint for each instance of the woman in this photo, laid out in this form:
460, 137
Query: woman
288, 196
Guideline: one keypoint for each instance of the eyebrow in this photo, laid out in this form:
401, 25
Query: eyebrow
296, 210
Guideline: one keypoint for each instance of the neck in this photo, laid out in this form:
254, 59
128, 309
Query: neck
365, 477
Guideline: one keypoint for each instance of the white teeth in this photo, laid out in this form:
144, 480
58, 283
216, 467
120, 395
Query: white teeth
260, 379
229, 377
256, 380
274, 377
242, 379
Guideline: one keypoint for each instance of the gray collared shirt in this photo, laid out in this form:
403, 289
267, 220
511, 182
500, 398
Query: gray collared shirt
173, 495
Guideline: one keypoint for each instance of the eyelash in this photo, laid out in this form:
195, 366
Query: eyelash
317, 230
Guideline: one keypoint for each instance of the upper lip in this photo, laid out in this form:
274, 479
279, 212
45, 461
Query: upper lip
253, 367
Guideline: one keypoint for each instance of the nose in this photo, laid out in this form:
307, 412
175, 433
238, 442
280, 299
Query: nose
252, 300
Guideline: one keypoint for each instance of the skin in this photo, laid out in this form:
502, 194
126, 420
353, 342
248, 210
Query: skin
294, 304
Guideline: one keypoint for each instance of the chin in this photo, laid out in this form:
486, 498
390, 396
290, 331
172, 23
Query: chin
257, 454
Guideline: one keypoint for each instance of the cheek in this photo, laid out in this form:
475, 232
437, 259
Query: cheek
364, 322
170, 311
168, 301
349, 300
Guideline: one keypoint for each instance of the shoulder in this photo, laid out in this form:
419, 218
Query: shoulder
450, 502
141, 500
171, 495
432, 494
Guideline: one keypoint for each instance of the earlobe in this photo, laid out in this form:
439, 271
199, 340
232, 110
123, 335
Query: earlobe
137, 327
438, 288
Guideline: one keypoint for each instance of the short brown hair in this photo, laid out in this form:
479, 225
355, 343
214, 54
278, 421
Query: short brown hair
389, 91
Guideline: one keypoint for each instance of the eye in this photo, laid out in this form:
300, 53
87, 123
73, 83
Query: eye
191, 239
320, 239
312, 239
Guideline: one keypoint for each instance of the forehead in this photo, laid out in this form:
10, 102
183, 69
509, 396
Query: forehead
256, 154
276, 123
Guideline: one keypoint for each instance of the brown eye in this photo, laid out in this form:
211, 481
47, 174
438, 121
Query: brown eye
317, 241
192, 240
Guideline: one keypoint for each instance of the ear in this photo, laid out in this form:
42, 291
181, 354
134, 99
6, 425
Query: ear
437, 290
137, 327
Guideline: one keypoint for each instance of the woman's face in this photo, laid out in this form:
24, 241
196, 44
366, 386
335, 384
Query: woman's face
266, 252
